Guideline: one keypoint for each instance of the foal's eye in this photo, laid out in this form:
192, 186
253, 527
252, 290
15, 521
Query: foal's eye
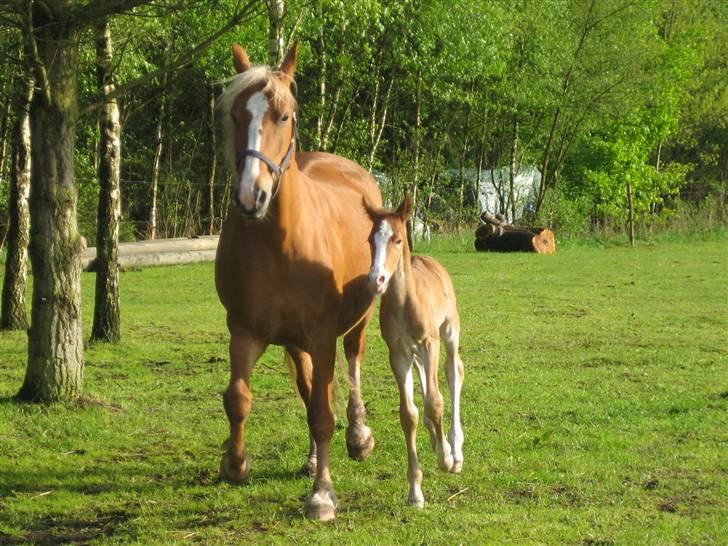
285, 118
398, 242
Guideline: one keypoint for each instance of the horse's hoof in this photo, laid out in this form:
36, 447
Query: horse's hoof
359, 443
446, 463
416, 500
308, 468
320, 507
236, 474
457, 467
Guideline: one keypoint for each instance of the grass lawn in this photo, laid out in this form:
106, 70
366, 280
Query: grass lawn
594, 411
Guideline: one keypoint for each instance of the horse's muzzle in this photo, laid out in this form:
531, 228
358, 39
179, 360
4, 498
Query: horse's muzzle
256, 206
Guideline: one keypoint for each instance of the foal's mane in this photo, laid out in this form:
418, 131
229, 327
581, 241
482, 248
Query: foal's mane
277, 85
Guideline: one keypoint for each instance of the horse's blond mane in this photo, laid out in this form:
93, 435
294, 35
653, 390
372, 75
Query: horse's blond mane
276, 83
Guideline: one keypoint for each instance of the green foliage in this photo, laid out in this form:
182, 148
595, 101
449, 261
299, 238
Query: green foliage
593, 408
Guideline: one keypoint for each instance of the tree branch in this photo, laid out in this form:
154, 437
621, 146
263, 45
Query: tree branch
247, 11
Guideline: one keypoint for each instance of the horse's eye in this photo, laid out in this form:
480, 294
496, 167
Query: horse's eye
398, 242
285, 118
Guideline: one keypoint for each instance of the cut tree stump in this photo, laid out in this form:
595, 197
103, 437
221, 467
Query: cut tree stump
498, 236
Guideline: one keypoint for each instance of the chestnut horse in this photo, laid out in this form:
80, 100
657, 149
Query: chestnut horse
291, 267
418, 310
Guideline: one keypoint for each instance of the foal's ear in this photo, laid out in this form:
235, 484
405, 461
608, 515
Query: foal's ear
405, 209
288, 66
241, 61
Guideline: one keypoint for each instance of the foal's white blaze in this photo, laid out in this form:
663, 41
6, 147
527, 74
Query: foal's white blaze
257, 105
379, 276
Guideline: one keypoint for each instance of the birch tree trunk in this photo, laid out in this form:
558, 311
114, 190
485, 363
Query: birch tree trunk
158, 142
276, 11
378, 128
55, 340
13, 315
107, 321
212, 165
513, 168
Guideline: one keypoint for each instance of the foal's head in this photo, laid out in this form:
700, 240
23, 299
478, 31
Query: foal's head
258, 118
387, 240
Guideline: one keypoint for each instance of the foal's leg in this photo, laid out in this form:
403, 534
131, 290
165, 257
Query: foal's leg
237, 399
321, 504
455, 372
430, 355
408, 417
303, 373
359, 439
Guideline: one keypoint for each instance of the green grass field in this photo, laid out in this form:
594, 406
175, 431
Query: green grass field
594, 411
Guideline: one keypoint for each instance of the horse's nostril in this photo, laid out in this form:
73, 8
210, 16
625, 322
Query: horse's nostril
260, 197
380, 279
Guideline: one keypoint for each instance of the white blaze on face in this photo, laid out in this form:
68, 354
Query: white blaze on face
379, 276
257, 105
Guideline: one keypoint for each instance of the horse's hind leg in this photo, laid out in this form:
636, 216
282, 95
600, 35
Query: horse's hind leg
455, 372
237, 399
359, 438
303, 375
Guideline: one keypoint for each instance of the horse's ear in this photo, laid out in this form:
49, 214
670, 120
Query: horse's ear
405, 209
241, 61
368, 208
288, 66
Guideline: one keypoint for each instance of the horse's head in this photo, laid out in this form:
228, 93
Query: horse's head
259, 123
387, 240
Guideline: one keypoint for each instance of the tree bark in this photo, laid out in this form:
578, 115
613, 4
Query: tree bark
378, 129
107, 320
276, 10
55, 340
212, 165
513, 168
158, 142
14, 315
630, 212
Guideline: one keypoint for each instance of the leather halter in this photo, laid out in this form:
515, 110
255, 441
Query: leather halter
276, 170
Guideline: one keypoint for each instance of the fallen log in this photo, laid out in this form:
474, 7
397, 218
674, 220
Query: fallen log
159, 252
498, 236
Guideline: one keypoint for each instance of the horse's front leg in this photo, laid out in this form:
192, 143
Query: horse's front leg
237, 399
359, 438
321, 504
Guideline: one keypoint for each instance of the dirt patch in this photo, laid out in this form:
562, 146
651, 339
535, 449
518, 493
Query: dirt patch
52, 531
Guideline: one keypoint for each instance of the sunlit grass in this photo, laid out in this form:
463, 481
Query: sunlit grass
594, 412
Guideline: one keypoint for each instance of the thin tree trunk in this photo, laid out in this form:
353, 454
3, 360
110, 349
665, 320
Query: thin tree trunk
276, 11
107, 320
513, 168
158, 144
630, 212
5, 122
13, 315
378, 130
322, 89
464, 154
55, 339
212, 165
481, 155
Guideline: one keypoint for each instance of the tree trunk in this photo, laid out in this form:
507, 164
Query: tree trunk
513, 169
497, 235
276, 10
466, 142
377, 130
212, 166
13, 315
630, 211
106, 324
55, 340
152, 230
322, 89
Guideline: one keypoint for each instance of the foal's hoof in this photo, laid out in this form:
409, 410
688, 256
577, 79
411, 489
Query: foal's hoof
457, 467
309, 468
359, 442
320, 506
446, 463
416, 499
233, 473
